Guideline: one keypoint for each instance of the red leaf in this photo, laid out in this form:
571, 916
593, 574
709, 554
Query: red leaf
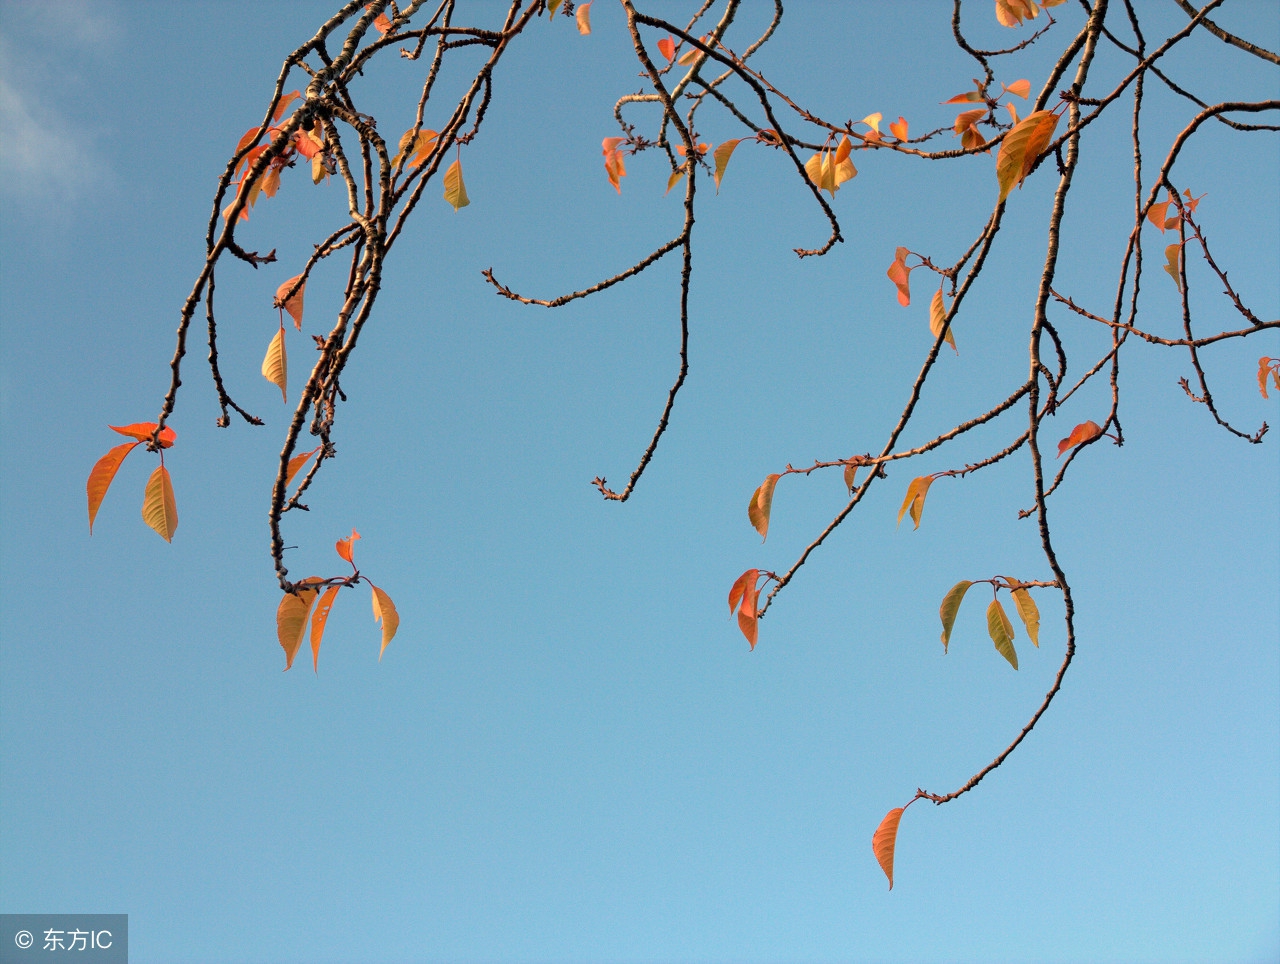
667, 47
143, 431
1084, 432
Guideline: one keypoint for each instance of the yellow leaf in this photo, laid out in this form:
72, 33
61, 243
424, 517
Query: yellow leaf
297, 462
455, 192
159, 510
950, 608
275, 364
1029, 613
760, 505
384, 611
583, 15
291, 619
873, 120
885, 839
1020, 88
672, 181
317, 625
1022, 147
722, 155
914, 501
1001, 631
938, 318
552, 6
1173, 262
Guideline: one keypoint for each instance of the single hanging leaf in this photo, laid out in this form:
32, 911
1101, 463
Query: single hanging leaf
317, 625
1173, 262
159, 509
143, 431
900, 275
1157, 214
761, 503
672, 181
938, 318
873, 121
1268, 366
291, 619
722, 155
1001, 631
552, 6
583, 15
294, 303
104, 470
885, 839
275, 364
613, 163
455, 191
968, 97
1020, 88
1022, 147
344, 547
384, 611
899, 128
850, 477
667, 47
1029, 613
950, 608
297, 462
281, 107
1084, 432
914, 501
1013, 111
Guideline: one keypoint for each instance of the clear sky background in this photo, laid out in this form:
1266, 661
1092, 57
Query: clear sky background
568, 752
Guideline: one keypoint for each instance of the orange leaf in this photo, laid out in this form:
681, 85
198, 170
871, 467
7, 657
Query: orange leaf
613, 164
455, 191
159, 509
384, 611
1173, 262
722, 155
297, 462
104, 470
583, 15
938, 318
692, 54
970, 97
667, 47
249, 137
761, 504
744, 591
276, 364
317, 625
1022, 147
968, 118
850, 476
900, 275
294, 303
914, 501
1011, 13
344, 547
307, 143
1020, 88
281, 107
291, 619
899, 128
699, 148
885, 839
672, 181
1158, 213
143, 431
1013, 111
1266, 366
1084, 432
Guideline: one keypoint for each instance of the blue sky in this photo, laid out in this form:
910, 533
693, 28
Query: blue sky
568, 752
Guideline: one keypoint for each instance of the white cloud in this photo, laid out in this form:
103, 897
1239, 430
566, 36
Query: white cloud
38, 154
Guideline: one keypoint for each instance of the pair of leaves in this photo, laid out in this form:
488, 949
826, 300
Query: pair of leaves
721, 156
422, 145
966, 126
613, 163
914, 502
938, 320
1084, 432
1011, 13
1022, 147
1268, 368
296, 608
999, 628
744, 597
829, 169
900, 275
159, 508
